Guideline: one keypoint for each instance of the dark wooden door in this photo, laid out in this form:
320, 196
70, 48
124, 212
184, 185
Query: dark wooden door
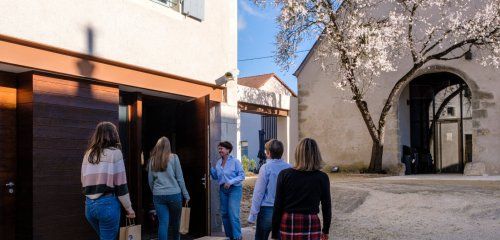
192, 148
8, 151
130, 127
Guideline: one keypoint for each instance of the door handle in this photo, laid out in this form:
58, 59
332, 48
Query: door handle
10, 186
204, 180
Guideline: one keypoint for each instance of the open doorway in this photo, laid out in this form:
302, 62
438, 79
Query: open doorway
143, 120
435, 123
255, 131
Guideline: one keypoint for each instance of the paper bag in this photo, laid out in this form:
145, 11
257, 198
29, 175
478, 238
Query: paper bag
130, 231
184, 228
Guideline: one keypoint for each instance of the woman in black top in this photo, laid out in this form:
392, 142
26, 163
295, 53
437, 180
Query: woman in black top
299, 191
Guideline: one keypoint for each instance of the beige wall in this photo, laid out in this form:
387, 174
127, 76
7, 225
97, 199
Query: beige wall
138, 32
263, 97
326, 114
288, 131
275, 86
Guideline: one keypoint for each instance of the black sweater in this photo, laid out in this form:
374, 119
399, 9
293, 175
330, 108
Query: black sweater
301, 192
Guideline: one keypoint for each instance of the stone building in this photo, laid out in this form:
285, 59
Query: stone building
469, 133
153, 67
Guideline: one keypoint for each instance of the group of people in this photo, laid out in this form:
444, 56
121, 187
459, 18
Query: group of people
286, 199
285, 202
105, 184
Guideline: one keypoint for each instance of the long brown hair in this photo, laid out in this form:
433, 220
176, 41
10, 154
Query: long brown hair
160, 155
105, 136
308, 156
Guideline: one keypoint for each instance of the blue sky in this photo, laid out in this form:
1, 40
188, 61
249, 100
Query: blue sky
256, 38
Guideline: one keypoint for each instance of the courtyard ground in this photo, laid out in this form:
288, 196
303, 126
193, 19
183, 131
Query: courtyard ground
409, 207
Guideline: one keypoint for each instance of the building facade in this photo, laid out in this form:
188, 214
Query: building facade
267, 107
153, 68
327, 114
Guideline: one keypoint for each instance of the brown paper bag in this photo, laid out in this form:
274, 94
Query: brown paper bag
130, 231
184, 227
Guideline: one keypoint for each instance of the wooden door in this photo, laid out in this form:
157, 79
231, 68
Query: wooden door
8, 151
192, 148
131, 137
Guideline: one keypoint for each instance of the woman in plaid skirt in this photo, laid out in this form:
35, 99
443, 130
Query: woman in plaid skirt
299, 192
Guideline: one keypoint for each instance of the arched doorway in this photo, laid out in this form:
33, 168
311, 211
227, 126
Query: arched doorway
435, 124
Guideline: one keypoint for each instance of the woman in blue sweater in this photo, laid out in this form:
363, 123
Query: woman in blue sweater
167, 183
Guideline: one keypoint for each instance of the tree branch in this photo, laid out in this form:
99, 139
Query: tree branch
441, 108
388, 103
410, 32
440, 40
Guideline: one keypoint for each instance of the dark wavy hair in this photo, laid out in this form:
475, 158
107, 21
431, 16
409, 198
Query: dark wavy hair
226, 145
105, 136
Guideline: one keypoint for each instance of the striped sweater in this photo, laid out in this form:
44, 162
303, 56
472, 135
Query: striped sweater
108, 176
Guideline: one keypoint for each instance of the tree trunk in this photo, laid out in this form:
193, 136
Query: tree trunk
376, 158
378, 143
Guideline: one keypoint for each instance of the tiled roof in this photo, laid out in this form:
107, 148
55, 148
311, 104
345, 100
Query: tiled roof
255, 81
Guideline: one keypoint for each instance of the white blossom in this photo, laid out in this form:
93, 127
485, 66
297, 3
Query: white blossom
365, 38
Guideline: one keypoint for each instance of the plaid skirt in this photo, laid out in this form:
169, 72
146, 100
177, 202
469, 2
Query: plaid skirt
295, 226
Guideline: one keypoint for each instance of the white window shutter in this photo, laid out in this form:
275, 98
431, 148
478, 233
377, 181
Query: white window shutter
194, 8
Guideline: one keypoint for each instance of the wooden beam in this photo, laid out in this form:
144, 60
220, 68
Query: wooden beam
264, 110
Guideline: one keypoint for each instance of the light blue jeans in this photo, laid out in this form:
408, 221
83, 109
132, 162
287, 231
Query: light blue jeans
230, 200
168, 208
264, 223
104, 216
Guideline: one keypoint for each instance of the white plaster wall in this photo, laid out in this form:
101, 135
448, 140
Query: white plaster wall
249, 130
224, 126
404, 118
215, 138
137, 32
326, 114
262, 97
275, 86
288, 131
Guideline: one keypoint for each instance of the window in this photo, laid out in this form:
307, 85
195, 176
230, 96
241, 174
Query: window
244, 148
270, 127
450, 111
174, 4
192, 8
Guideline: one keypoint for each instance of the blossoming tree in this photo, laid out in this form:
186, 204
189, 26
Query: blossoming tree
362, 39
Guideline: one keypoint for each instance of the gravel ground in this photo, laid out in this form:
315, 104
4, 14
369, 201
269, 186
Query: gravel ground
370, 207
246, 201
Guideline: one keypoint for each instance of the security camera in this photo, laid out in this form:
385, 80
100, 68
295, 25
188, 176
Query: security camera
229, 76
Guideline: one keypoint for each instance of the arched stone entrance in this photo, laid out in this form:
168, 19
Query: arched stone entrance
435, 123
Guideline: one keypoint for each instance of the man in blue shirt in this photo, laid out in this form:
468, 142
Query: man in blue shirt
265, 189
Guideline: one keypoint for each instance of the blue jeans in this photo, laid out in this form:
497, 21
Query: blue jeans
230, 200
168, 208
264, 223
104, 216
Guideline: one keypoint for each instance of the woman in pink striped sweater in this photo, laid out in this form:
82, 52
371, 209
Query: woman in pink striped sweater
104, 182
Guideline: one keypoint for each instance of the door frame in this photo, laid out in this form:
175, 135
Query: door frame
134, 103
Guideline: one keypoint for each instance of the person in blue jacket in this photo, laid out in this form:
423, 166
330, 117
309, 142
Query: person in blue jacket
228, 172
265, 189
